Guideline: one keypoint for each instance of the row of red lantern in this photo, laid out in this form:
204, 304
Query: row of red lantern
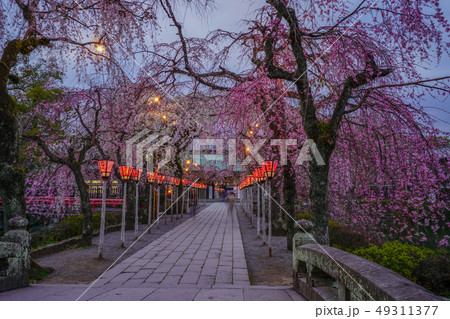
260, 174
128, 172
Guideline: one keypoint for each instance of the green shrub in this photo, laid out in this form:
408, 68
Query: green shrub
434, 273
402, 258
71, 226
346, 238
303, 216
342, 237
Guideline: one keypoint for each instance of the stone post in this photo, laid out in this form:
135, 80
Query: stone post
15, 255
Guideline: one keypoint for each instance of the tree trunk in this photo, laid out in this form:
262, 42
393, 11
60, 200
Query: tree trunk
290, 194
12, 175
318, 194
86, 208
277, 215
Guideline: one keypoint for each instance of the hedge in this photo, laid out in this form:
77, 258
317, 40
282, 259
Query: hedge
71, 226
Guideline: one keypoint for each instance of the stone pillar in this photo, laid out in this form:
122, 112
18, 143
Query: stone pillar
15, 255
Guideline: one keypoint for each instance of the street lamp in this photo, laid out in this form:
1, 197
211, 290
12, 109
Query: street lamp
250, 197
177, 184
125, 175
258, 202
160, 179
269, 168
100, 48
170, 192
136, 177
105, 167
186, 183
151, 177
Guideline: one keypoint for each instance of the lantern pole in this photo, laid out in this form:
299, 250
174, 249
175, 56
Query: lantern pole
258, 218
187, 201
102, 222
182, 199
157, 205
251, 205
105, 167
124, 212
150, 206
176, 203
165, 203
136, 216
171, 206
125, 174
263, 211
270, 220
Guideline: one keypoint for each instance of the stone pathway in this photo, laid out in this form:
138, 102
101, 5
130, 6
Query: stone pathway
201, 259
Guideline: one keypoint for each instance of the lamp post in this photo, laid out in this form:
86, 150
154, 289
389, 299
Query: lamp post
170, 192
269, 168
151, 177
125, 175
258, 208
251, 182
187, 197
263, 205
261, 179
166, 180
183, 182
160, 179
177, 184
105, 167
136, 177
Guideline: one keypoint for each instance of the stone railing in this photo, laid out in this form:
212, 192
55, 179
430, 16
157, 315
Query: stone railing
15, 255
327, 273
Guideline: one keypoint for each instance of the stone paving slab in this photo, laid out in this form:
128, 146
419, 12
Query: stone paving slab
204, 250
179, 293
201, 259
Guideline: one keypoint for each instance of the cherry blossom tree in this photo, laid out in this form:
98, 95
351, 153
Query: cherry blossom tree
336, 60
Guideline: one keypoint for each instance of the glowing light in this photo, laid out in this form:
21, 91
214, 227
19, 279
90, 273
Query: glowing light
100, 48
247, 149
188, 162
186, 169
164, 117
251, 132
156, 99
257, 125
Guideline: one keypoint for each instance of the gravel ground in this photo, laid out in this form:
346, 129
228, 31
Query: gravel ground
265, 270
81, 265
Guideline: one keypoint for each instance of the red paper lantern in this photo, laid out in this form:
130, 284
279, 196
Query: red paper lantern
125, 172
250, 180
269, 168
256, 175
105, 167
160, 178
151, 177
261, 174
137, 174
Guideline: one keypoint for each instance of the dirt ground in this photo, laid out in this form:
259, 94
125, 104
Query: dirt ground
81, 265
265, 270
